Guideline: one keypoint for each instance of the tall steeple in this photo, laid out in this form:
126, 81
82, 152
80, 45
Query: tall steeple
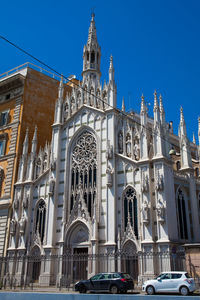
91, 54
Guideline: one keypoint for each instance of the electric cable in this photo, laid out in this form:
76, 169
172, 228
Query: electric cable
86, 90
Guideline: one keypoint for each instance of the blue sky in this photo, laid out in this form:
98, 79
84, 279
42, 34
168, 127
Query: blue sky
155, 45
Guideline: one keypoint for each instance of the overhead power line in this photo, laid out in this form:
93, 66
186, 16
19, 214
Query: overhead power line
80, 87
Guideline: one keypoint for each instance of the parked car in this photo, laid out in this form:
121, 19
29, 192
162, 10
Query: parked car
170, 282
110, 282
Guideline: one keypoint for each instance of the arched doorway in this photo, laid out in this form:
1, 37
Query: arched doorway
75, 265
34, 266
129, 259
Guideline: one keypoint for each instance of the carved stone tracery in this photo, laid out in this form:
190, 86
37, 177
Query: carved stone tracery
84, 172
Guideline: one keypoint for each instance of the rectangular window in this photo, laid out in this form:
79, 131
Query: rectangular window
2, 147
4, 118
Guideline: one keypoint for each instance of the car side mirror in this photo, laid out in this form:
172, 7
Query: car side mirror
159, 279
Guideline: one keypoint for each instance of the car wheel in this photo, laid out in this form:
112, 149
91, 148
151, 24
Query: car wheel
114, 289
150, 290
184, 291
82, 289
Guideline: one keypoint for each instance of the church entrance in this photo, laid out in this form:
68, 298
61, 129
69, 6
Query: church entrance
75, 263
34, 265
129, 260
80, 263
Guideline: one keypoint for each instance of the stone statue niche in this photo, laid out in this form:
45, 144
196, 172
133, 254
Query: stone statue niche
109, 173
145, 212
128, 145
136, 149
120, 142
109, 151
160, 211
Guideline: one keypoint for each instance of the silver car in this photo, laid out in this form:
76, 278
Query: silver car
170, 282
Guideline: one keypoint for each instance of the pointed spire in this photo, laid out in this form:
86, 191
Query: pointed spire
182, 121
25, 144
91, 55
143, 106
92, 36
111, 62
123, 105
61, 89
34, 141
162, 112
193, 139
161, 104
155, 101
111, 70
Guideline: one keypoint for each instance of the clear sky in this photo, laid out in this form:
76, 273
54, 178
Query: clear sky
155, 45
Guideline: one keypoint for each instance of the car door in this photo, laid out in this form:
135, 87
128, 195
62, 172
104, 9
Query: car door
104, 281
163, 283
175, 281
95, 282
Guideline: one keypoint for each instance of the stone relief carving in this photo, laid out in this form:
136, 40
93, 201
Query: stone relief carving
160, 211
22, 225
51, 186
109, 151
128, 145
136, 149
120, 142
159, 184
145, 211
13, 224
25, 200
109, 173
16, 201
145, 183
53, 163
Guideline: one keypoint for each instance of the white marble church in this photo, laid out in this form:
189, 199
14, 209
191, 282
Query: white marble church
110, 181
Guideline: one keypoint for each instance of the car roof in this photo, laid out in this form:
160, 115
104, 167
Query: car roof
174, 272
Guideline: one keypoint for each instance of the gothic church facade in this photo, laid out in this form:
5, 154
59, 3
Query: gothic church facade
109, 181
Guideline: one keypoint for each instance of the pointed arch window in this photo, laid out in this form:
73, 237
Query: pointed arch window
40, 219
130, 210
182, 218
84, 170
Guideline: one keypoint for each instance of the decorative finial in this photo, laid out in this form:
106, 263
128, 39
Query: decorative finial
123, 105
111, 61
194, 140
182, 117
142, 103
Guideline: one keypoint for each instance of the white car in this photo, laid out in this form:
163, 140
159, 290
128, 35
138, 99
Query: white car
170, 282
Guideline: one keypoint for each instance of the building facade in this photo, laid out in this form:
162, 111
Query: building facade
109, 182
27, 99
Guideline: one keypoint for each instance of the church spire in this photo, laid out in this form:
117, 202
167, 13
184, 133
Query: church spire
92, 35
91, 54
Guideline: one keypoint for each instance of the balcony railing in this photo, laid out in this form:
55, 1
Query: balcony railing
32, 66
